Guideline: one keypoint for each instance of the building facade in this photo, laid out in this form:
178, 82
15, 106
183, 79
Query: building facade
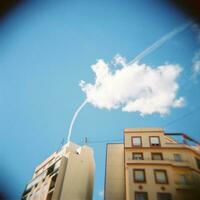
153, 165
65, 175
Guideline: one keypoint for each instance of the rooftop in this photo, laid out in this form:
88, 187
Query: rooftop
152, 129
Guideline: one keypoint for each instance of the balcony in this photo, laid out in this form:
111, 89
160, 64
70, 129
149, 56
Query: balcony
177, 145
181, 163
53, 182
184, 185
53, 169
26, 191
184, 141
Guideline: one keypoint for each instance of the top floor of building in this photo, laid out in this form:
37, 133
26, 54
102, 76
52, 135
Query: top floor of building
54, 160
153, 145
156, 137
58, 170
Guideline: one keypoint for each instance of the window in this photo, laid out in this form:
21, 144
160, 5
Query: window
198, 162
139, 175
161, 176
138, 156
26, 191
156, 156
53, 182
164, 196
141, 196
154, 141
50, 169
183, 179
177, 157
136, 141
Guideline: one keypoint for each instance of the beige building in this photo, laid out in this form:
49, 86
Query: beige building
65, 175
152, 165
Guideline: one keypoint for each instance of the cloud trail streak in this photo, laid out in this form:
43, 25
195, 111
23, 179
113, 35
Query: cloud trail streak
160, 42
144, 53
74, 119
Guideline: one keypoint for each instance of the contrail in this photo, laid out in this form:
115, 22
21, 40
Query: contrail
74, 119
160, 42
144, 53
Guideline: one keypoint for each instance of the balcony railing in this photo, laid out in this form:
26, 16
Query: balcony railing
162, 162
150, 159
186, 183
180, 145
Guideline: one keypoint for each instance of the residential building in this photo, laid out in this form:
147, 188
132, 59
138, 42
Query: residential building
152, 165
66, 175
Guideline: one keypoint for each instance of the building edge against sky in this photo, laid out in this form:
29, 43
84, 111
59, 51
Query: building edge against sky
152, 164
65, 175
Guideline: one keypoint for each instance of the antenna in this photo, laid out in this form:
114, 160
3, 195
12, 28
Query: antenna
86, 140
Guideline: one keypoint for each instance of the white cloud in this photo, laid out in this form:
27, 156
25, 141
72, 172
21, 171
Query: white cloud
134, 87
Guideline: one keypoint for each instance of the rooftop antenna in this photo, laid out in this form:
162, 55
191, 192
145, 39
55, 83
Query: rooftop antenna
86, 140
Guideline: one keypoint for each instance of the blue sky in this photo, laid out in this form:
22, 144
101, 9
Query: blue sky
48, 47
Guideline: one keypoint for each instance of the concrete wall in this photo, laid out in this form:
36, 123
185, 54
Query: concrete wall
79, 175
114, 180
150, 186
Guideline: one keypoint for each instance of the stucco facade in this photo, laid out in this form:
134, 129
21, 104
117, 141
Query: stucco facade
151, 165
65, 175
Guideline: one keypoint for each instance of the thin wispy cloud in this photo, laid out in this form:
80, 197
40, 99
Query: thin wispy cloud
196, 58
196, 63
134, 87
161, 41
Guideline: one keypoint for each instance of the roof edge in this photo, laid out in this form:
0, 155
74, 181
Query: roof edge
152, 129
